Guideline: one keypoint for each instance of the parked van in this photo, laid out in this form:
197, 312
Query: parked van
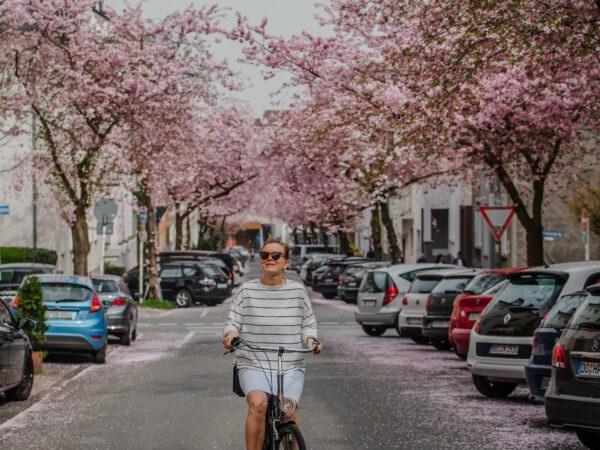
300, 252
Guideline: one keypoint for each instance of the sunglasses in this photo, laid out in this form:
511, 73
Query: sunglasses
274, 255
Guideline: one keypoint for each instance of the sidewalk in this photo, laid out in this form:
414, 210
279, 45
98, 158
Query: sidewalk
51, 374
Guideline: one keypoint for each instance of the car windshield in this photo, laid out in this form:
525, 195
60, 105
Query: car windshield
530, 290
105, 286
6, 276
560, 313
452, 284
64, 292
588, 314
423, 285
483, 282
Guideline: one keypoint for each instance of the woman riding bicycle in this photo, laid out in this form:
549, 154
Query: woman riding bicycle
270, 311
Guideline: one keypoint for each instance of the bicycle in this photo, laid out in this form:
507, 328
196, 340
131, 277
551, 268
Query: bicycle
279, 435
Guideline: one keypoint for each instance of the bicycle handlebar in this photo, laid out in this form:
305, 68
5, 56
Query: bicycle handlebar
237, 342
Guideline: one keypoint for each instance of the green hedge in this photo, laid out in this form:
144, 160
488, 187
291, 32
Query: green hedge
27, 254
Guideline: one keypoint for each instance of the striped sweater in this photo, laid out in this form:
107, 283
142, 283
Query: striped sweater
271, 316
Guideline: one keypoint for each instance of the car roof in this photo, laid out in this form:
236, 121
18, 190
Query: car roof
68, 279
106, 276
26, 265
395, 268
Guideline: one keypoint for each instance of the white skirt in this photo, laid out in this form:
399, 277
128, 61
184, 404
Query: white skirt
255, 379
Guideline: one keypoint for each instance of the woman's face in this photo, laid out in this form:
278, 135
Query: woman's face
270, 265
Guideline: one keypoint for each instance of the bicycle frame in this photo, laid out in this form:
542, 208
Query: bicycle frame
278, 405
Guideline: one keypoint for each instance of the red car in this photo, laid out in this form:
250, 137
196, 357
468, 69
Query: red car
468, 305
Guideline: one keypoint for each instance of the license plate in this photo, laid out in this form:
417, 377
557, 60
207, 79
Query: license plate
352, 284
221, 285
588, 369
59, 315
413, 321
504, 349
369, 302
440, 324
473, 316
544, 383
328, 280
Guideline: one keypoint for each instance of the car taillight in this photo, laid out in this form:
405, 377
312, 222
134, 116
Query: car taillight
208, 282
559, 357
119, 302
340, 279
463, 313
427, 302
390, 294
404, 301
96, 305
15, 303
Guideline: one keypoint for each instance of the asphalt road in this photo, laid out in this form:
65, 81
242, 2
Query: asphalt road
172, 389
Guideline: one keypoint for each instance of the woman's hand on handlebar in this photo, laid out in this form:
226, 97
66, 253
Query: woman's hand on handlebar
315, 345
230, 340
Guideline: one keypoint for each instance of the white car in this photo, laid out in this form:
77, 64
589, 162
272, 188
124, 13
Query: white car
410, 319
501, 341
380, 294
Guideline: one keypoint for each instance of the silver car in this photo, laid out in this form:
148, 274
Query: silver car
379, 300
120, 308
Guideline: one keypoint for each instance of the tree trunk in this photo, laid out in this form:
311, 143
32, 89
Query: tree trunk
81, 242
178, 228
188, 234
344, 243
375, 233
395, 252
152, 252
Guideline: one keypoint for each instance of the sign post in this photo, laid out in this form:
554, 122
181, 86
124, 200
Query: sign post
497, 218
585, 233
105, 212
143, 237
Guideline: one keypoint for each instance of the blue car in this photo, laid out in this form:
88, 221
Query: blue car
539, 369
74, 314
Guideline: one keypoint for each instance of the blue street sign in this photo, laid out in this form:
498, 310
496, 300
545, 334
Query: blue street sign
143, 216
552, 234
4, 210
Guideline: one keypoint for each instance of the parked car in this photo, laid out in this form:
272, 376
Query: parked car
349, 280
410, 319
573, 396
119, 306
16, 361
439, 303
11, 276
74, 314
465, 312
327, 282
300, 252
501, 340
225, 261
380, 294
539, 369
313, 262
188, 282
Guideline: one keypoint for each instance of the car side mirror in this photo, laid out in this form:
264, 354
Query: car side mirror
26, 324
136, 296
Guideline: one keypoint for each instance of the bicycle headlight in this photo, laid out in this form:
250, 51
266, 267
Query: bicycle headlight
286, 405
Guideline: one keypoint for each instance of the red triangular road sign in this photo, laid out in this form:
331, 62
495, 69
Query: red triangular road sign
497, 218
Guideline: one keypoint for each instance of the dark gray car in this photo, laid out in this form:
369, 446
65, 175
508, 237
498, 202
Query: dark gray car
119, 307
573, 395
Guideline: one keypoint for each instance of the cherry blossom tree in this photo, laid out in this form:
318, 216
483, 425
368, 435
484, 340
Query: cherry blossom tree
508, 88
91, 82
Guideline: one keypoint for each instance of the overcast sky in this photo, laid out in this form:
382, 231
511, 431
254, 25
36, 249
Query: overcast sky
285, 18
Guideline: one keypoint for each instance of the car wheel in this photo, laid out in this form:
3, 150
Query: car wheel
329, 296
495, 389
183, 298
134, 334
399, 330
100, 355
441, 344
422, 340
22, 391
125, 338
373, 330
461, 355
588, 438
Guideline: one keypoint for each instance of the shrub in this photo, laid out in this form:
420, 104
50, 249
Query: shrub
31, 307
27, 254
156, 303
111, 269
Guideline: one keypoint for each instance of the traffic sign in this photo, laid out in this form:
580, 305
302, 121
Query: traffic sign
143, 216
547, 234
497, 218
4, 210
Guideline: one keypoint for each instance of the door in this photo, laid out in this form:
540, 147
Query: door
12, 348
169, 277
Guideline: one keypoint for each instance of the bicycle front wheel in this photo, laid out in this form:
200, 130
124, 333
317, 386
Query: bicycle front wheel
290, 438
